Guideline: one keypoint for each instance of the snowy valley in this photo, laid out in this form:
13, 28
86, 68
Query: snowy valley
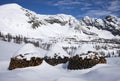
51, 45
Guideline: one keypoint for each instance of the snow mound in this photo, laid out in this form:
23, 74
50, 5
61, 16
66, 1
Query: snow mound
103, 74
57, 50
85, 48
27, 51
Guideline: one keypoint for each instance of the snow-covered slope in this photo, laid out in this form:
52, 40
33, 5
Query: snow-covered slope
9, 50
27, 52
46, 72
109, 27
12, 19
17, 20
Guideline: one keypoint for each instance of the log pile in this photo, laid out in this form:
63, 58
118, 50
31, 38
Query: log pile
55, 61
22, 63
77, 62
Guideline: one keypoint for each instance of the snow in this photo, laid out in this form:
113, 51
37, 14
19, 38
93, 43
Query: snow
101, 33
7, 50
58, 50
101, 26
14, 21
84, 48
28, 51
107, 73
46, 72
17, 24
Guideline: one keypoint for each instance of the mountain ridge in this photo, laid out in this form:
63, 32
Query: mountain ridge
26, 20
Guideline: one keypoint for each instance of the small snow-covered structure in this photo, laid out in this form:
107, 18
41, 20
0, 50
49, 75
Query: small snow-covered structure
27, 56
56, 55
87, 60
57, 51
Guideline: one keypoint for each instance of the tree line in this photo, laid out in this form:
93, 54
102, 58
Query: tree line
19, 39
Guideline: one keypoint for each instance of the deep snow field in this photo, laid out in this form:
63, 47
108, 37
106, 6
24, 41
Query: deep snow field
46, 72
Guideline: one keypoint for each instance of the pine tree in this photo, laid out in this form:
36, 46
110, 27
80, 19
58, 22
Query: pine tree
9, 37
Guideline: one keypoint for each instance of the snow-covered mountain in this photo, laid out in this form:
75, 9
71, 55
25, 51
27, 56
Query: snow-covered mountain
109, 25
17, 20
59, 34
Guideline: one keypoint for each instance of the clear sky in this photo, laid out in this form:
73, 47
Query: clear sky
77, 8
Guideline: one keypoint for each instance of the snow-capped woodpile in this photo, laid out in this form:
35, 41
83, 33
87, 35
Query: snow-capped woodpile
86, 61
55, 61
22, 63
27, 56
56, 55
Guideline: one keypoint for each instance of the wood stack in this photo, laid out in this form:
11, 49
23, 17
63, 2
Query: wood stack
22, 63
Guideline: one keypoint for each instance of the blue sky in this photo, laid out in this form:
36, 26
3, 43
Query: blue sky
77, 8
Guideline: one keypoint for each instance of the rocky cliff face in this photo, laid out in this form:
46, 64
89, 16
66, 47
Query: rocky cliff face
109, 23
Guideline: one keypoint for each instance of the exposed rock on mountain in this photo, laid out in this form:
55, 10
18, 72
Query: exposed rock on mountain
109, 23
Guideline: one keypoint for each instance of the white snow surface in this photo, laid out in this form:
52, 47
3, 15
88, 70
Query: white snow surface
46, 72
28, 51
9, 50
85, 48
101, 33
57, 50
